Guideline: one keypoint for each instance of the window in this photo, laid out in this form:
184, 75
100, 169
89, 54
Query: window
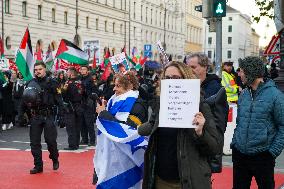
97, 23
7, 6
65, 17
230, 28
24, 8
87, 22
230, 18
121, 28
141, 12
229, 54
53, 14
134, 11
113, 27
209, 40
146, 14
151, 16
105, 26
121, 4
229, 40
106, 2
146, 36
160, 18
113, 3
209, 54
8, 43
156, 17
134, 33
39, 11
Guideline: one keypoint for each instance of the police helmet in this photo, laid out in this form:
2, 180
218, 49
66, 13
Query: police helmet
31, 96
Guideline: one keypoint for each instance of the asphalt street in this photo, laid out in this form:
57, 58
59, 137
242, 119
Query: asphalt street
18, 138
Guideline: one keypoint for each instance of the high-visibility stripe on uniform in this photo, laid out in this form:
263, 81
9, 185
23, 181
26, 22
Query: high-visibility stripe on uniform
230, 86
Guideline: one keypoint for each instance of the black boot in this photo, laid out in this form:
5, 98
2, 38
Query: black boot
36, 170
55, 164
95, 178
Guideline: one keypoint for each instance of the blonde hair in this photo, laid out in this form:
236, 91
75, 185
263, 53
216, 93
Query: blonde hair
185, 71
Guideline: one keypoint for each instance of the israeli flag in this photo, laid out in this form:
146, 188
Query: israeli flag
119, 155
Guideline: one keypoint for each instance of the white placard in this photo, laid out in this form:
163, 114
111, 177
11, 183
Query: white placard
117, 59
179, 102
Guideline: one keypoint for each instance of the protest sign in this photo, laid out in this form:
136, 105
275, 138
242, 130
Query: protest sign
117, 59
179, 102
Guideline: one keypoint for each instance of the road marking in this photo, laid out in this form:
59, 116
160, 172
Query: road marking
9, 149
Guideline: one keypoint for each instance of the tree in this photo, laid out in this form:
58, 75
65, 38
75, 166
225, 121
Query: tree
265, 9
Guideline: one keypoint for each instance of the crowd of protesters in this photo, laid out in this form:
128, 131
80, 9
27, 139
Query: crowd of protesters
168, 163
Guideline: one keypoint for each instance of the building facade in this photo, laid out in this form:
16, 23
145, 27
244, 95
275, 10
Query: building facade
194, 28
239, 40
114, 23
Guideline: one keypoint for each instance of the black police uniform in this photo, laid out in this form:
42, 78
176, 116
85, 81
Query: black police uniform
88, 105
73, 118
41, 97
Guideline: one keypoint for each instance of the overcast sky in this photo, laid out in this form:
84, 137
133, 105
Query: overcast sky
249, 7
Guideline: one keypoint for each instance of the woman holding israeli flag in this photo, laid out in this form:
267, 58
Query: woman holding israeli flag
176, 158
119, 156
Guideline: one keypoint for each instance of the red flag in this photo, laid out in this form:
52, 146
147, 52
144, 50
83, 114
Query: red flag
1, 47
142, 60
94, 60
123, 49
63, 65
12, 65
106, 73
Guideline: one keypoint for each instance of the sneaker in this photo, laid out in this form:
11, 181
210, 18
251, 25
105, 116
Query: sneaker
4, 127
10, 126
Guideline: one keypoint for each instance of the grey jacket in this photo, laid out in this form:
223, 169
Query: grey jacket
193, 152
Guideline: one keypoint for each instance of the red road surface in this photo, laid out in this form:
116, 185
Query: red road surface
75, 172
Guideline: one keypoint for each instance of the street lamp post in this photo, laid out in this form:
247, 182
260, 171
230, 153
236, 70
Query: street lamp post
165, 16
2, 24
76, 38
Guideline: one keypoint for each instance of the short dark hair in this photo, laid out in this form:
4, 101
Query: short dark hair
85, 66
41, 63
73, 71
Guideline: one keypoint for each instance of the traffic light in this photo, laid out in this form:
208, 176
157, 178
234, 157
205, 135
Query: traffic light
219, 8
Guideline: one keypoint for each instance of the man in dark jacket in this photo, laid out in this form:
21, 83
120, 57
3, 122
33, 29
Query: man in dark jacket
259, 134
211, 85
88, 119
40, 98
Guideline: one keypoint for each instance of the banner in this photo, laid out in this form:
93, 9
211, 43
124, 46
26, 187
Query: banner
89, 46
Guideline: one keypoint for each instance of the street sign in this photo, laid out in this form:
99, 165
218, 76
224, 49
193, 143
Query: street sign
274, 46
147, 47
148, 50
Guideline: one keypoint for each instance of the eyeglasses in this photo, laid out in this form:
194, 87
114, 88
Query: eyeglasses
173, 77
117, 85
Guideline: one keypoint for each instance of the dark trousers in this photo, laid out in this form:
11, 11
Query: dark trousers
38, 124
73, 126
261, 166
88, 128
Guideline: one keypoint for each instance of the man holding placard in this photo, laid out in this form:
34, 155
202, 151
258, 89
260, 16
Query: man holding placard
182, 134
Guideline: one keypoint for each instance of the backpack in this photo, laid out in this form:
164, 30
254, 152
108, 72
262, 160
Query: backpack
219, 108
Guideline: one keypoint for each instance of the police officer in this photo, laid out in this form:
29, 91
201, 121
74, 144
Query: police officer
88, 105
72, 95
40, 97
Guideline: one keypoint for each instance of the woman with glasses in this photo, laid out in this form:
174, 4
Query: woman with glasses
120, 150
176, 158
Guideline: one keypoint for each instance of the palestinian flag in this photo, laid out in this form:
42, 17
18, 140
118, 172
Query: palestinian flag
71, 53
24, 57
